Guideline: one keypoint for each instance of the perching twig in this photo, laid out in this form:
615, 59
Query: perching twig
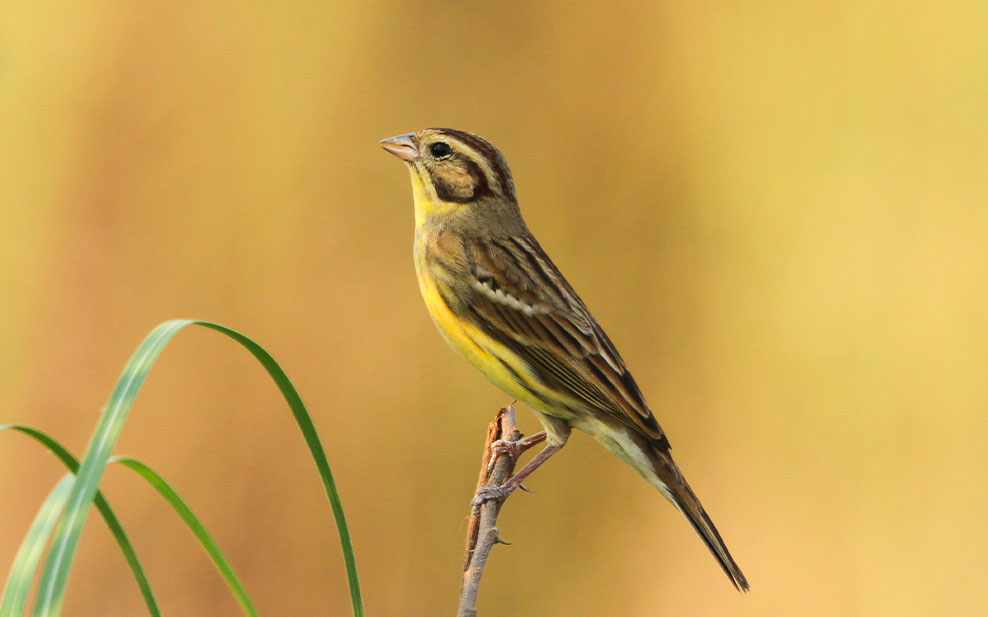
482, 533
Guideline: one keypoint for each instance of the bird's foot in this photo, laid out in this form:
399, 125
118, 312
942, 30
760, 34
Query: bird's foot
492, 493
506, 446
513, 448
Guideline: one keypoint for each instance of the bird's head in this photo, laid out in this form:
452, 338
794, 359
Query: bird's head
452, 169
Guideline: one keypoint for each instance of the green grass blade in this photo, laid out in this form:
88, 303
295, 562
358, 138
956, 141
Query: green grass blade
103, 506
308, 429
195, 525
55, 573
25, 565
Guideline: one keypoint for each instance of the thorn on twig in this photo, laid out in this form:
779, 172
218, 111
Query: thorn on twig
526, 489
500, 540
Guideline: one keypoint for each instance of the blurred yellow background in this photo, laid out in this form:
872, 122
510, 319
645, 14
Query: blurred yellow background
778, 211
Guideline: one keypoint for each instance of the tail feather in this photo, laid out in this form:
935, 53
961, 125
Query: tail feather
681, 495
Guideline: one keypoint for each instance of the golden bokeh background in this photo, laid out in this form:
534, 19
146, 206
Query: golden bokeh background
779, 212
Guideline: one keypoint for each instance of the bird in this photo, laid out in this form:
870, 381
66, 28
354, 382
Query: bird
499, 300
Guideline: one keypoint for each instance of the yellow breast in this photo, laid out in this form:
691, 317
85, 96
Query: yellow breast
479, 349
464, 337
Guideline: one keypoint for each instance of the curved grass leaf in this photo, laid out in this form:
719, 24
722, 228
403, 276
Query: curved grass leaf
22, 571
308, 429
55, 573
112, 522
195, 525
18, 591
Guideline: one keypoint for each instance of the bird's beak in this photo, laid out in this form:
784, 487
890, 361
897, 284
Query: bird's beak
402, 146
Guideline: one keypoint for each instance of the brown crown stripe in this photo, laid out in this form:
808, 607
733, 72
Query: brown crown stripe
493, 156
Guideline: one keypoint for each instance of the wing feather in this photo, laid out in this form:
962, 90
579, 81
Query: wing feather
521, 298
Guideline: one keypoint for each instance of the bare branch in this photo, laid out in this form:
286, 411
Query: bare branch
482, 532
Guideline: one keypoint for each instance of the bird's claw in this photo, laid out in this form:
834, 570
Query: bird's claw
506, 446
490, 493
503, 447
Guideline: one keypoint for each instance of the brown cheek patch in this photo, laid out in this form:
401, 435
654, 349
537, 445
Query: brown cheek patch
460, 183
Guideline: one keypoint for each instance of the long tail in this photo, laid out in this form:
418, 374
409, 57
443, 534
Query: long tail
675, 488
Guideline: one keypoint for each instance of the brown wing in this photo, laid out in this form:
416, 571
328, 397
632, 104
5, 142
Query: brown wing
523, 301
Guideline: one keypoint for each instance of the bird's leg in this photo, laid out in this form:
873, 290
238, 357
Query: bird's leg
486, 493
513, 448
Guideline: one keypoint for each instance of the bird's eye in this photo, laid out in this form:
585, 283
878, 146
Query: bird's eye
440, 149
